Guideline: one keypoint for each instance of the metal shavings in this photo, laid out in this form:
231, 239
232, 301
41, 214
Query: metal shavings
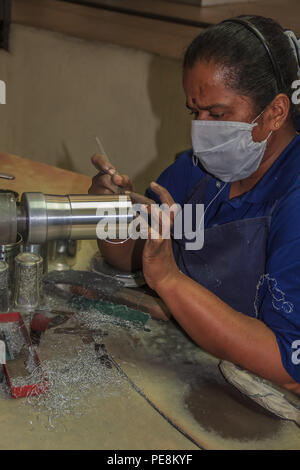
96, 315
21, 360
74, 378
35, 379
34, 376
14, 339
71, 380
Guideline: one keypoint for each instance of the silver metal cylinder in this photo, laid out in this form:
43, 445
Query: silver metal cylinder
73, 217
8, 217
28, 281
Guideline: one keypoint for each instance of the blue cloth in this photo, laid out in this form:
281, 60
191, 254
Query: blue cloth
179, 178
278, 293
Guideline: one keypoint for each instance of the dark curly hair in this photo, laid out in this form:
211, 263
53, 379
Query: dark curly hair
247, 64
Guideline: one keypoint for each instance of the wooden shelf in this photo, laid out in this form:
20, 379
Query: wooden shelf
158, 37
153, 32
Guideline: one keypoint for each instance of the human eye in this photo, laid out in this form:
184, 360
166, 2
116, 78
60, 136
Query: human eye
217, 116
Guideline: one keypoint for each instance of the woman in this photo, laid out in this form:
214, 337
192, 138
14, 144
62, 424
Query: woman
239, 296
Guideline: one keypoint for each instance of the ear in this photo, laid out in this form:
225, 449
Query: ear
278, 111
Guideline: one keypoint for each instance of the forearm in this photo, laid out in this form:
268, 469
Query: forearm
223, 331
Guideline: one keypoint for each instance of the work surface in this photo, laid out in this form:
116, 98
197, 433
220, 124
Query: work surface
149, 388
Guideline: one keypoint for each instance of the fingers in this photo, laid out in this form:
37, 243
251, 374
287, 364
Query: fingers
161, 223
102, 163
103, 184
166, 200
122, 181
108, 180
158, 219
126, 183
139, 198
163, 193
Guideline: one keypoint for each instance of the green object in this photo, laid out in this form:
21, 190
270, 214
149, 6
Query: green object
120, 312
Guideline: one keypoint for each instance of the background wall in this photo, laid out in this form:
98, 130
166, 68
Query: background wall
62, 92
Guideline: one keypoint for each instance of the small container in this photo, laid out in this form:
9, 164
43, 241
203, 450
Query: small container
28, 281
41, 250
4, 293
62, 254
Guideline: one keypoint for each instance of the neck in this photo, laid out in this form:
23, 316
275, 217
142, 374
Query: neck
274, 149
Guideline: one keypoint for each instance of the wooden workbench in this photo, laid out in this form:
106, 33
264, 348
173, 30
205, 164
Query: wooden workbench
113, 423
174, 374
34, 176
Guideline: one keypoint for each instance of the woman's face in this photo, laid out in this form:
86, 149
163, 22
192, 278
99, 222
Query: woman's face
208, 98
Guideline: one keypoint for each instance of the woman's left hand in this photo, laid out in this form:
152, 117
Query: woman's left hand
159, 265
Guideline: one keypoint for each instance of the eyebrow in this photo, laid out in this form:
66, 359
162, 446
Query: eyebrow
207, 108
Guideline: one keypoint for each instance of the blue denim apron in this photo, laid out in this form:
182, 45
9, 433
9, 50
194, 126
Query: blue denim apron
233, 257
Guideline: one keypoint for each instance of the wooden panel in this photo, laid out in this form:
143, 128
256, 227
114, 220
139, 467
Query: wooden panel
285, 11
183, 8
157, 36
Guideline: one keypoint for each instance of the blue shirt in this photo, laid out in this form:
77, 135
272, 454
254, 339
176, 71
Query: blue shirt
278, 293
179, 178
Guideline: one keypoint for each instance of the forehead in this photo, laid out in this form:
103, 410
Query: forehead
205, 84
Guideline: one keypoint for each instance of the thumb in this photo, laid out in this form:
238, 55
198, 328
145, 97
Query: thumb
163, 193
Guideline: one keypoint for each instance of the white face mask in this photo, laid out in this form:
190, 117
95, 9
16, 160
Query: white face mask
226, 148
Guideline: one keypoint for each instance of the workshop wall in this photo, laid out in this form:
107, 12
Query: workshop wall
62, 92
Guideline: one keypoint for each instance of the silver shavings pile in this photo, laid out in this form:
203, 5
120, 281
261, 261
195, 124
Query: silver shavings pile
93, 319
32, 373
70, 380
73, 378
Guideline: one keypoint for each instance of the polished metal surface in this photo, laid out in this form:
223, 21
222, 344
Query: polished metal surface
48, 217
44, 217
8, 253
37, 249
8, 218
6, 176
87, 212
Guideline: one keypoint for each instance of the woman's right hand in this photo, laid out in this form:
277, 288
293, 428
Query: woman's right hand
108, 180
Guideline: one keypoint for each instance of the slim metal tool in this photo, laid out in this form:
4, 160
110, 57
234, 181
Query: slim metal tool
6, 176
102, 151
101, 148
